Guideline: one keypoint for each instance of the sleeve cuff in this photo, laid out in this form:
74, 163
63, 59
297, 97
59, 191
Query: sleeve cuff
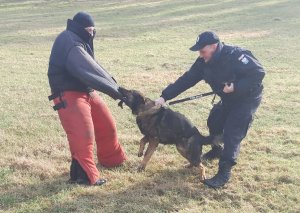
162, 96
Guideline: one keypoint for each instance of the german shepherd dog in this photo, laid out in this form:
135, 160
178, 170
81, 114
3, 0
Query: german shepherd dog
162, 125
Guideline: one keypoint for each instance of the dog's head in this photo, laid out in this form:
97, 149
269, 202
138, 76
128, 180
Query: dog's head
133, 99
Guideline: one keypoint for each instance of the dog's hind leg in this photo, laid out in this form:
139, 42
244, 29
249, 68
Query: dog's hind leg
183, 151
202, 172
143, 142
153, 143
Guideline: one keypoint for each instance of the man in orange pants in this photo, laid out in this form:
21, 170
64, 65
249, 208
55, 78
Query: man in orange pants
73, 76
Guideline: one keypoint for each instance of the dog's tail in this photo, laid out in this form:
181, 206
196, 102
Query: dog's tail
201, 139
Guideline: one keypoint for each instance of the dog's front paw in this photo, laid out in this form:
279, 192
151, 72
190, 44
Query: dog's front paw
202, 178
141, 168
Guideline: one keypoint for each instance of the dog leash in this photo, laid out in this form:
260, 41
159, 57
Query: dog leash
193, 98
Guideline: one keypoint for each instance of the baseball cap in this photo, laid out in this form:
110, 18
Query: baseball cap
204, 39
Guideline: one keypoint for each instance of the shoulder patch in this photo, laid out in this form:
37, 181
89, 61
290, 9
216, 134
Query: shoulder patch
243, 59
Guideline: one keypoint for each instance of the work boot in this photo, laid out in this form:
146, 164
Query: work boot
222, 177
214, 153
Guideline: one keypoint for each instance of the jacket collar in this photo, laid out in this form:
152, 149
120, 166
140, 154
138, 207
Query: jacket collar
216, 56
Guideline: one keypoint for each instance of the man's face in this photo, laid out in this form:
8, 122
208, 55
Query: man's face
90, 30
207, 52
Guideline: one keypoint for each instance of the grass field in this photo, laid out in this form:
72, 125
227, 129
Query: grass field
144, 44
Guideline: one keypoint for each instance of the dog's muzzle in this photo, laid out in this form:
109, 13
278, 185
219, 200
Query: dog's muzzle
122, 101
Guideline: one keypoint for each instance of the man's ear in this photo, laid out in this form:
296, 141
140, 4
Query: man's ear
215, 46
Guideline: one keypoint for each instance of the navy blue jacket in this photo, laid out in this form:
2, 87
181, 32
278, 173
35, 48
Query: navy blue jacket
72, 66
229, 64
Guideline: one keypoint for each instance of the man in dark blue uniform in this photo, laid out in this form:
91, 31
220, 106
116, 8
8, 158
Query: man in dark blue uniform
236, 76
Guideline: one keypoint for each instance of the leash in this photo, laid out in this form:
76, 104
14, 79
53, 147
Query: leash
193, 98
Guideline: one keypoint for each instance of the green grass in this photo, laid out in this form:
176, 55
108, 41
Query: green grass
144, 44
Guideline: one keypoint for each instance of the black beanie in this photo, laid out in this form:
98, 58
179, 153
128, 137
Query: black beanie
84, 19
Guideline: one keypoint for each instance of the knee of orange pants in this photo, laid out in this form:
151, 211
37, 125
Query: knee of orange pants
109, 151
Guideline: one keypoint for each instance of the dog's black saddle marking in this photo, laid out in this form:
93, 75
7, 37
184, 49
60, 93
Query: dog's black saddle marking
168, 126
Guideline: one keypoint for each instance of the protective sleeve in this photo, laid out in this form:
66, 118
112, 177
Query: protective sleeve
83, 67
186, 81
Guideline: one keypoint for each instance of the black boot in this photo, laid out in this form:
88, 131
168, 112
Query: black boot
73, 172
214, 153
82, 177
222, 177
77, 174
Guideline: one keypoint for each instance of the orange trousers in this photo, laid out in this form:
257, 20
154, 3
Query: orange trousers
86, 119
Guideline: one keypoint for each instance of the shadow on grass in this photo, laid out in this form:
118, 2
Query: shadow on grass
167, 190
16, 195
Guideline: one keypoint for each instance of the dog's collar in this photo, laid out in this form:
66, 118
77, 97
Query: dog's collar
152, 110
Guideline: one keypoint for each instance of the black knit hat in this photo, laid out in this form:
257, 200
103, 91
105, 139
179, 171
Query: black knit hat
84, 19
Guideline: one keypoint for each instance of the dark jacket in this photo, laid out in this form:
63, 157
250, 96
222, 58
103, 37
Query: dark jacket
72, 66
229, 64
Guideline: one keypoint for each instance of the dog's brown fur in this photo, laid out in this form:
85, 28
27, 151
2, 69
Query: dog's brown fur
160, 125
